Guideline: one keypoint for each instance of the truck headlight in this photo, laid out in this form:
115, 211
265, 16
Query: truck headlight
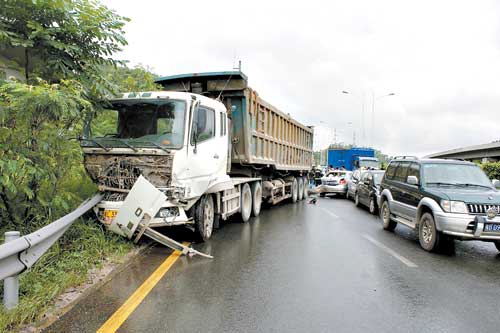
454, 206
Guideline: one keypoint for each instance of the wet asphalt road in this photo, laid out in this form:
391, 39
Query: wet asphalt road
307, 268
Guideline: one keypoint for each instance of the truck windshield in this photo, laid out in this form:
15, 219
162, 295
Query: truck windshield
454, 174
138, 123
368, 164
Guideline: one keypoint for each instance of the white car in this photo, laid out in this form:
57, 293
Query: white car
334, 182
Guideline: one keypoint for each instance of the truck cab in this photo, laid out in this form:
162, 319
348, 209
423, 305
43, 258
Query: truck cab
365, 162
177, 141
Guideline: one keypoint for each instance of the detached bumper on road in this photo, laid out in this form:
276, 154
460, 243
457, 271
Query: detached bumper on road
464, 226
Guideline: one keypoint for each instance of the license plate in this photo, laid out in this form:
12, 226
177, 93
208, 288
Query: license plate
109, 215
492, 227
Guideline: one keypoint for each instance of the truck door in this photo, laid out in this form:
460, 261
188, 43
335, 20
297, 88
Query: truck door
207, 149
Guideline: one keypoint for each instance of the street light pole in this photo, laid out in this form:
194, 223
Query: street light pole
373, 112
361, 98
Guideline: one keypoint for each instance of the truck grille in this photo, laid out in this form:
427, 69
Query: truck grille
480, 208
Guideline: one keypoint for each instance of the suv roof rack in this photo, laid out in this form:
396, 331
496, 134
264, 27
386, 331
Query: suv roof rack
405, 157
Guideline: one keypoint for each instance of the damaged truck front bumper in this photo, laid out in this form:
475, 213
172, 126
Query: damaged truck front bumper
168, 215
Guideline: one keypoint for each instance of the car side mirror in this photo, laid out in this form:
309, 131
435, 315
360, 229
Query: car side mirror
496, 183
412, 180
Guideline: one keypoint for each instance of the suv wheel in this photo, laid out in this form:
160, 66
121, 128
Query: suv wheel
385, 214
497, 245
373, 206
429, 237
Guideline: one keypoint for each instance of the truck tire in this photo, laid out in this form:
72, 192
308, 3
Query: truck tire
300, 195
245, 202
256, 198
295, 190
306, 187
204, 217
429, 237
385, 215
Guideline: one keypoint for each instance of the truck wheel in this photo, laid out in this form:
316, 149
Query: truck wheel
306, 187
295, 190
300, 195
385, 214
245, 202
429, 237
256, 198
204, 217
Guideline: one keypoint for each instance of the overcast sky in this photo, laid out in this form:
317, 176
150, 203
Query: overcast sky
441, 59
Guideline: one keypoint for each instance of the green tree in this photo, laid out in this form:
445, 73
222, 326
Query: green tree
37, 160
124, 79
62, 39
64, 46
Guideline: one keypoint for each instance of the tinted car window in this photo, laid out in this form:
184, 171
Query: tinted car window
401, 172
414, 170
391, 170
454, 174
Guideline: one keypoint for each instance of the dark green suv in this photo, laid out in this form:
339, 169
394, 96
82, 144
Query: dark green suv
441, 199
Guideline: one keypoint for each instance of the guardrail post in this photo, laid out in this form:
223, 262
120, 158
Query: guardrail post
11, 284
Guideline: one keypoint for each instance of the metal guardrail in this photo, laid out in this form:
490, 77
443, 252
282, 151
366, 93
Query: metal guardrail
19, 254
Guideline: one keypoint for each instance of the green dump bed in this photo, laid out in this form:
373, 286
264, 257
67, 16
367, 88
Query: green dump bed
261, 134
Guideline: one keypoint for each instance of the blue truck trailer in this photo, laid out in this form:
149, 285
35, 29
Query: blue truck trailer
352, 158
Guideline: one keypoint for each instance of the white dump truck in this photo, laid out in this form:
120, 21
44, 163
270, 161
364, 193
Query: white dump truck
206, 148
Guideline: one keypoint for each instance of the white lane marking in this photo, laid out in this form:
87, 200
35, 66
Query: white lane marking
328, 212
390, 251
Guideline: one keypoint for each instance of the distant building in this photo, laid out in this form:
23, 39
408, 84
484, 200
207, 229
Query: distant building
485, 152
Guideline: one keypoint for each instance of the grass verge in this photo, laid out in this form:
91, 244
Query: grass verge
84, 246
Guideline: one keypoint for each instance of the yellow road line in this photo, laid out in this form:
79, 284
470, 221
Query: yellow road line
119, 317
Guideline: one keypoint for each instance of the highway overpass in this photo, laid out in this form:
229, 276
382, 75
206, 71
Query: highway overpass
487, 151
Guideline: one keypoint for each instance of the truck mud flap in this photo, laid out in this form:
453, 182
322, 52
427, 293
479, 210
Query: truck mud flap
142, 203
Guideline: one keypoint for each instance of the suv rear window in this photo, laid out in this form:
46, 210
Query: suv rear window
401, 172
391, 170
